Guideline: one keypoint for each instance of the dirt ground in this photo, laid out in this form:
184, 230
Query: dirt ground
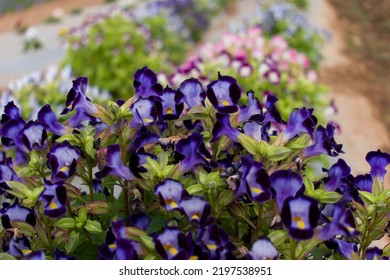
40, 12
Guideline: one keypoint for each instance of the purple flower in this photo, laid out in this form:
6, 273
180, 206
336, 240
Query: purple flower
170, 193
254, 181
364, 182
11, 111
253, 109
191, 93
269, 68
300, 121
342, 223
81, 119
378, 161
138, 159
263, 249
36, 256
77, 98
140, 221
344, 248
256, 130
224, 94
144, 137
324, 143
336, 175
62, 160
300, 216
196, 209
172, 244
115, 165
54, 198
33, 135
145, 84
117, 247
375, 253
10, 131
168, 107
191, 151
7, 173
215, 243
19, 246
272, 114
144, 113
286, 184
223, 127
15, 212
48, 118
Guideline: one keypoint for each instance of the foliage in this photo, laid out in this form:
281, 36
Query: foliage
183, 174
263, 65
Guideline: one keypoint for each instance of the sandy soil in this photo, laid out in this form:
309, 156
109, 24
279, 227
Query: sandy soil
38, 13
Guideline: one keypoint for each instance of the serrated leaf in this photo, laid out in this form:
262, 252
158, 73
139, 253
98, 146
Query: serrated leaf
72, 244
93, 226
277, 237
82, 215
250, 144
88, 146
195, 189
65, 223
147, 241
367, 197
71, 138
330, 197
18, 189
23, 227
309, 186
277, 153
198, 113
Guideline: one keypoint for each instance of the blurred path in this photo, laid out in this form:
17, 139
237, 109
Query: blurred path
361, 130
14, 63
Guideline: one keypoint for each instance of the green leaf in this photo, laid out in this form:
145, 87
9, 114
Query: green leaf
299, 143
18, 189
325, 196
386, 251
71, 138
277, 237
97, 207
309, 186
88, 147
65, 223
93, 226
277, 153
24, 228
367, 197
250, 144
82, 215
72, 244
147, 241
6, 257
329, 197
198, 113
195, 189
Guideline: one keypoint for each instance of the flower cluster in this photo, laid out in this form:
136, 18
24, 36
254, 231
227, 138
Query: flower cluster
36, 89
283, 18
268, 66
183, 173
124, 38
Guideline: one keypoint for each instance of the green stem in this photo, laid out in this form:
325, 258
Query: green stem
256, 232
292, 248
126, 202
90, 183
50, 239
